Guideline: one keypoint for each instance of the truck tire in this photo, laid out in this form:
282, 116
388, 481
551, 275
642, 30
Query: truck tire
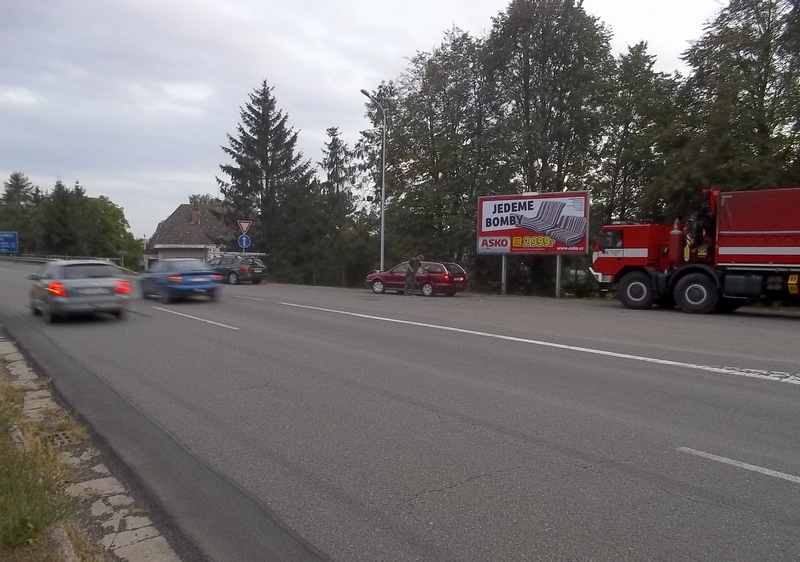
636, 291
696, 293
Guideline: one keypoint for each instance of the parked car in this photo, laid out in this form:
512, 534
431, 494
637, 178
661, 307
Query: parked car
172, 279
433, 277
80, 287
238, 268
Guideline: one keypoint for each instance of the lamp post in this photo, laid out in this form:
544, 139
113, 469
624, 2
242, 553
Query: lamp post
383, 177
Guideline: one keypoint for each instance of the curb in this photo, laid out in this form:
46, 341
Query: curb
106, 510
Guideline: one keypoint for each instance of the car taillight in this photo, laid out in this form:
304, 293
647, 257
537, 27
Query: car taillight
216, 277
446, 277
57, 289
175, 278
244, 268
122, 287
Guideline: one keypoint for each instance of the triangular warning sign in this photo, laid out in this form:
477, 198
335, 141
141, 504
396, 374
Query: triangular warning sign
244, 225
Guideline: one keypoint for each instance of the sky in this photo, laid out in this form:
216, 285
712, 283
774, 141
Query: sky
134, 98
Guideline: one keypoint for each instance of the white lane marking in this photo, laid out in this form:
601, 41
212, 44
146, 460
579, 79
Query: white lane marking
248, 298
740, 464
791, 378
195, 318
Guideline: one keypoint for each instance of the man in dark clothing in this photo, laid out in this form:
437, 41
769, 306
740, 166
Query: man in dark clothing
411, 271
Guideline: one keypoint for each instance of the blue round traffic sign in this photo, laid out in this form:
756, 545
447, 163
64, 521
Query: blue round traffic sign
244, 241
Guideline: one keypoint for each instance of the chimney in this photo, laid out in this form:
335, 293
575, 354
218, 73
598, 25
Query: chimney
195, 215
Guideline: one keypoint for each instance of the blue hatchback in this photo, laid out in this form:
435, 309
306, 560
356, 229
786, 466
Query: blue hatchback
172, 279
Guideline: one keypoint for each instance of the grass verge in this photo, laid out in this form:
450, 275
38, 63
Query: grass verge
31, 484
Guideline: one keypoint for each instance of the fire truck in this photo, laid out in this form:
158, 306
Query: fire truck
740, 247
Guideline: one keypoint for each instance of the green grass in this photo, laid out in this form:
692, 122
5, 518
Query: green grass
31, 479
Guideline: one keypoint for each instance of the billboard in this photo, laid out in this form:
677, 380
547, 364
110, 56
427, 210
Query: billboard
547, 223
9, 243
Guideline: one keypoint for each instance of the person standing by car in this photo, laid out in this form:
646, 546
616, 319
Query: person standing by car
411, 272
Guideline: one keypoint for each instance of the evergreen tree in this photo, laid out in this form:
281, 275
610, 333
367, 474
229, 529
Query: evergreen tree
337, 198
16, 210
267, 169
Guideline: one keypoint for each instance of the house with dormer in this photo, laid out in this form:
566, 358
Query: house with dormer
191, 231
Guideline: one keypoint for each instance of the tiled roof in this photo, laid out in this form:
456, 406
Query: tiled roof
190, 226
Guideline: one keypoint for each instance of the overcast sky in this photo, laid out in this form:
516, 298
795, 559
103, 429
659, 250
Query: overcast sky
133, 98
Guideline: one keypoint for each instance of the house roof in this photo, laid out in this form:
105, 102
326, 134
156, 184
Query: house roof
190, 226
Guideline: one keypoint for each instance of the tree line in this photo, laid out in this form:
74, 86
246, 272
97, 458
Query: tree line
540, 104
65, 221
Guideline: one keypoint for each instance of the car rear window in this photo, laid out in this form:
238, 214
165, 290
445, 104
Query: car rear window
455, 268
87, 271
191, 265
258, 263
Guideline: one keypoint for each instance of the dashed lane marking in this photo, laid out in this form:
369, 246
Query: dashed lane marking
740, 464
196, 318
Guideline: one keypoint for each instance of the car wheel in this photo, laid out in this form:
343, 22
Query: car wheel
164, 296
213, 296
35, 311
378, 286
233, 279
636, 291
256, 281
119, 314
696, 293
427, 290
48, 315
143, 287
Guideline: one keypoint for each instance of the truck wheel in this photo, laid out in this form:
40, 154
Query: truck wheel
696, 293
636, 291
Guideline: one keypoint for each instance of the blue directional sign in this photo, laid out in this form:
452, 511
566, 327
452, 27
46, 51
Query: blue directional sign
9, 242
244, 241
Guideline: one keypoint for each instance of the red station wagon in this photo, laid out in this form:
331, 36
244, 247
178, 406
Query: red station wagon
434, 277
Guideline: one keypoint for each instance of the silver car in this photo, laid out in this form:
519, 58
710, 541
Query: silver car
70, 288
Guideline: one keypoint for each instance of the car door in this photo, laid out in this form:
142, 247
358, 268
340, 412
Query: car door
434, 274
225, 265
38, 290
396, 277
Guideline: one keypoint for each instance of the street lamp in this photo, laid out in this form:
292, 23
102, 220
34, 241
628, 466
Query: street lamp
383, 176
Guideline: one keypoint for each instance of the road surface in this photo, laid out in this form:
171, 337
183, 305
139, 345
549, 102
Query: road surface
301, 423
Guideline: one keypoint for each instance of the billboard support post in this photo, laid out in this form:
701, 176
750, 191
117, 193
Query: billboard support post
558, 276
503, 276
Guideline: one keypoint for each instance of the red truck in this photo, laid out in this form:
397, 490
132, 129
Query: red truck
742, 246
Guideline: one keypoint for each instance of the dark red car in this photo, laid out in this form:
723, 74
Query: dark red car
433, 277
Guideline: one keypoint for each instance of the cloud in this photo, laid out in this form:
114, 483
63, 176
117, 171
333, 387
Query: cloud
134, 97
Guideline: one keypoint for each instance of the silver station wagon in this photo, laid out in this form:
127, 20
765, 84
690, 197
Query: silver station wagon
80, 287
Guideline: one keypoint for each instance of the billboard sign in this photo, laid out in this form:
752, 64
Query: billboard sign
9, 242
547, 223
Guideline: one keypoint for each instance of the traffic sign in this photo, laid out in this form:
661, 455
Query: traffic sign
244, 241
9, 242
244, 225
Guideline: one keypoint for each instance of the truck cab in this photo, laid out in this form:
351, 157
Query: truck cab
622, 248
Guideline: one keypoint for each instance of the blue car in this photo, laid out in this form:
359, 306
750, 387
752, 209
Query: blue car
169, 280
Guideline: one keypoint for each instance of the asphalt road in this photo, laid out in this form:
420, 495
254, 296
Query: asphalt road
299, 423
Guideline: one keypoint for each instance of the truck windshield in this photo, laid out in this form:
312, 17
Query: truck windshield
610, 239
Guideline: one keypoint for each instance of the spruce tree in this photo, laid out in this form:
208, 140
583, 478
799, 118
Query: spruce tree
266, 171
